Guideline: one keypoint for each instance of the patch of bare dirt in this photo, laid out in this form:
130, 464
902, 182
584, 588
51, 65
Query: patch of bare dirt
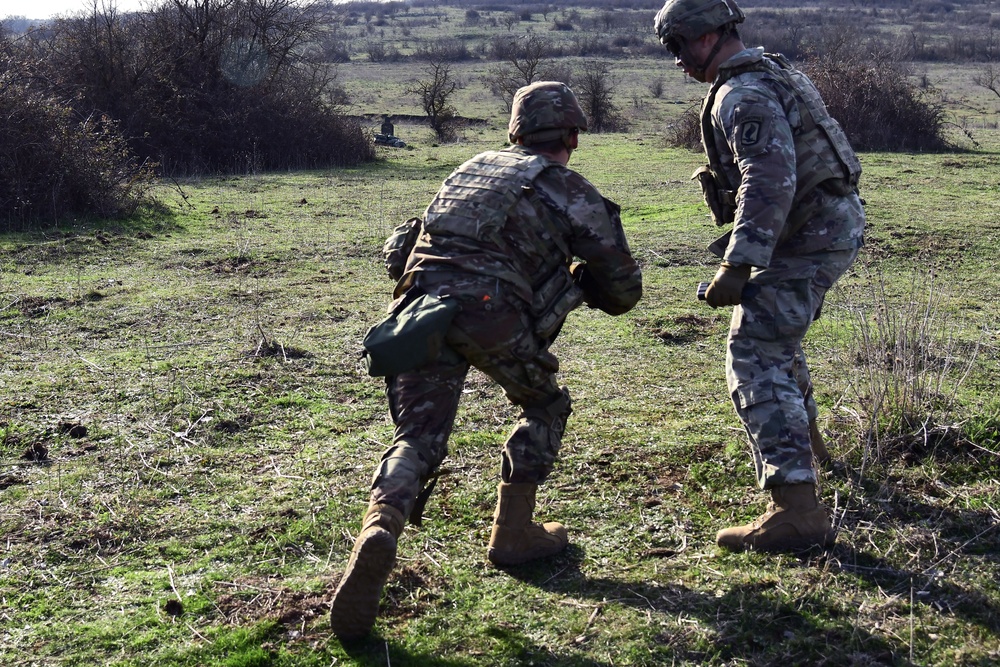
37, 306
250, 601
679, 330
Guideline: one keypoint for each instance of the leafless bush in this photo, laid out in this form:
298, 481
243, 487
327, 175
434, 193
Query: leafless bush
435, 94
447, 50
869, 93
595, 88
52, 162
211, 85
685, 130
904, 358
656, 87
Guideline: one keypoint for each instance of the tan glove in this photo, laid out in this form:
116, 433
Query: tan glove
726, 288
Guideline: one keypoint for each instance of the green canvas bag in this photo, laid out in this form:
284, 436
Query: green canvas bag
412, 335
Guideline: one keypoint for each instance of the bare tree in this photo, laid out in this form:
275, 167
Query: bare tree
595, 89
988, 77
526, 62
435, 98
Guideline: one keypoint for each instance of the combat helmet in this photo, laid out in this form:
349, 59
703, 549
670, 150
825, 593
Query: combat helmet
690, 19
543, 111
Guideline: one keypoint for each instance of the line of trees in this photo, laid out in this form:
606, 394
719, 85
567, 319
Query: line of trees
924, 30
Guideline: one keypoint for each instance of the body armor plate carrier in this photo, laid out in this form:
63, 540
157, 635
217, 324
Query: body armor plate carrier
823, 154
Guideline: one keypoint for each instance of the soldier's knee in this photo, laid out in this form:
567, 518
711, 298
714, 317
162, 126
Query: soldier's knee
553, 413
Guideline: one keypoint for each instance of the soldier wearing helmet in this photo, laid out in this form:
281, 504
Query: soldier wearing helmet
499, 238
782, 173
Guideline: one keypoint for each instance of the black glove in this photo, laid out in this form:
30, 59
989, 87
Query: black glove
582, 277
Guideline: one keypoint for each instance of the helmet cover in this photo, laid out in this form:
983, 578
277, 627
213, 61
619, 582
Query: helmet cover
544, 111
690, 19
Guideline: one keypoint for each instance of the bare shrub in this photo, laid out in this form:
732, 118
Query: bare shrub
211, 85
53, 163
435, 93
595, 88
870, 95
656, 87
445, 50
685, 130
904, 359
873, 100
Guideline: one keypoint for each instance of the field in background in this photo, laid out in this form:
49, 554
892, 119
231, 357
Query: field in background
187, 433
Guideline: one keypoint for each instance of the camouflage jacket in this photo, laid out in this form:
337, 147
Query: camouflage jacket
755, 122
523, 250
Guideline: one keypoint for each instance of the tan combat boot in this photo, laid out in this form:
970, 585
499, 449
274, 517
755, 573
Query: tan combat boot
355, 602
515, 538
819, 450
794, 521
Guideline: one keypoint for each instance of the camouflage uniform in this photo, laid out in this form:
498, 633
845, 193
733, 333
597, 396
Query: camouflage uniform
800, 238
555, 215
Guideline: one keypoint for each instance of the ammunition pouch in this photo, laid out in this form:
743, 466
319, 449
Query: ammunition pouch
552, 301
412, 335
720, 201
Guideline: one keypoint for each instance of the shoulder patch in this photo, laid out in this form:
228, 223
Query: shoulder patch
751, 133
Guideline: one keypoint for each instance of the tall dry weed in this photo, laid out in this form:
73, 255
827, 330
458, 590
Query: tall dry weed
905, 357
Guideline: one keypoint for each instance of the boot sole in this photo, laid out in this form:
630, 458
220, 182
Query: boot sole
504, 558
793, 545
356, 600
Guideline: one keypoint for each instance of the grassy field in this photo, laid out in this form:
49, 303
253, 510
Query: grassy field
187, 434
187, 438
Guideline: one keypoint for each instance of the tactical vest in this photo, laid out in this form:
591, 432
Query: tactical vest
823, 155
476, 200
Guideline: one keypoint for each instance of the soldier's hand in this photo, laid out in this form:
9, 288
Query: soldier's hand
726, 288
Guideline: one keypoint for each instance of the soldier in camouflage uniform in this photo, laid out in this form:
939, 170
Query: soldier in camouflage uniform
500, 236
783, 174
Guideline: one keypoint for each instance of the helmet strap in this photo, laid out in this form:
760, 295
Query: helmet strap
567, 137
723, 38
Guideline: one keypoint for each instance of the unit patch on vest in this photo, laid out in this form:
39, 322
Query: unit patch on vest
753, 130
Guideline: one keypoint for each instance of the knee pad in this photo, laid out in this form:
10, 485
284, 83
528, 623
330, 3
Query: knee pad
553, 414
530, 451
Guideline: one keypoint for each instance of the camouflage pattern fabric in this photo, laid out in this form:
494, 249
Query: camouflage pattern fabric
690, 19
495, 331
799, 248
756, 143
590, 229
766, 369
542, 111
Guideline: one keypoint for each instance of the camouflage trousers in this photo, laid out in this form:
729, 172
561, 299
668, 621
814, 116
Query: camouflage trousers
766, 369
492, 332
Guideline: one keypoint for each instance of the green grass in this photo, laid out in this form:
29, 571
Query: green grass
211, 351
234, 480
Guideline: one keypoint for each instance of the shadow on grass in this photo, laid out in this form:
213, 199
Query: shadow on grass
753, 623
759, 622
377, 652
153, 217
949, 535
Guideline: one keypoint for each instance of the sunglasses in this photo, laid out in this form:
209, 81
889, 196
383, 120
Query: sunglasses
674, 46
